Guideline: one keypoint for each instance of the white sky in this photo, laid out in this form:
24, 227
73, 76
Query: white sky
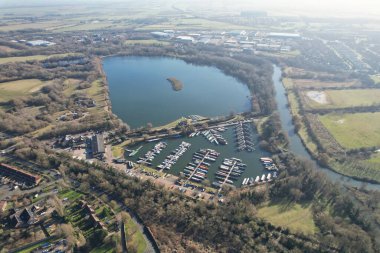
331, 8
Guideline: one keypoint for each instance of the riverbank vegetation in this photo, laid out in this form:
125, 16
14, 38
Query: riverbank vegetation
175, 83
328, 109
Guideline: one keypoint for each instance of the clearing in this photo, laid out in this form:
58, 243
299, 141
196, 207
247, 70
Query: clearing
317, 96
15, 89
354, 130
296, 217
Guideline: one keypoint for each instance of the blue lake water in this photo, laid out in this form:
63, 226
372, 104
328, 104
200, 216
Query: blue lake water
140, 93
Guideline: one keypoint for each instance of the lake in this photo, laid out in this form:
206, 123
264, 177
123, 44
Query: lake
140, 93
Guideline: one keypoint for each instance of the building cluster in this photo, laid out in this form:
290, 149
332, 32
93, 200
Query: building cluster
22, 177
24, 217
242, 40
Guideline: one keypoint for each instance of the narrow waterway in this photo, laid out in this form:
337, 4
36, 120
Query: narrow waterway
296, 145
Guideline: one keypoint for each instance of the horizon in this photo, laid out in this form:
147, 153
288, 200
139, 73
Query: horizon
369, 9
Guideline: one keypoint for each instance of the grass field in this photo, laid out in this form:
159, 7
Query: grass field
346, 98
354, 130
293, 216
15, 89
28, 58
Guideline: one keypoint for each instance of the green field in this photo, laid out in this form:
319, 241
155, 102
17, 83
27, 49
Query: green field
345, 98
354, 130
293, 216
29, 58
15, 89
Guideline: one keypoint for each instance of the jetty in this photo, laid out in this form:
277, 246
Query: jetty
151, 154
174, 156
243, 136
230, 171
197, 170
134, 152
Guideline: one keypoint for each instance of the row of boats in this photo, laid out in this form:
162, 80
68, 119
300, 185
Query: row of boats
268, 163
213, 136
151, 154
230, 171
264, 178
174, 156
197, 169
243, 136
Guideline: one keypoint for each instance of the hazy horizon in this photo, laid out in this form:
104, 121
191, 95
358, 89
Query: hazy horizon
321, 8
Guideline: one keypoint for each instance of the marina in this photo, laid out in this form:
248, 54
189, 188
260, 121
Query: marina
268, 163
197, 170
151, 154
230, 171
198, 142
264, 178
244, 137
214, 136
174, 156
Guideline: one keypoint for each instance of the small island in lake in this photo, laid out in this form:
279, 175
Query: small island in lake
176, 84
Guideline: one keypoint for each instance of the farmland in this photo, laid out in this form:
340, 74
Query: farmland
342, 98
354, 130
15, 89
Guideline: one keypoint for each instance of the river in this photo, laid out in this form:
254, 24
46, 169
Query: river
296, 145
